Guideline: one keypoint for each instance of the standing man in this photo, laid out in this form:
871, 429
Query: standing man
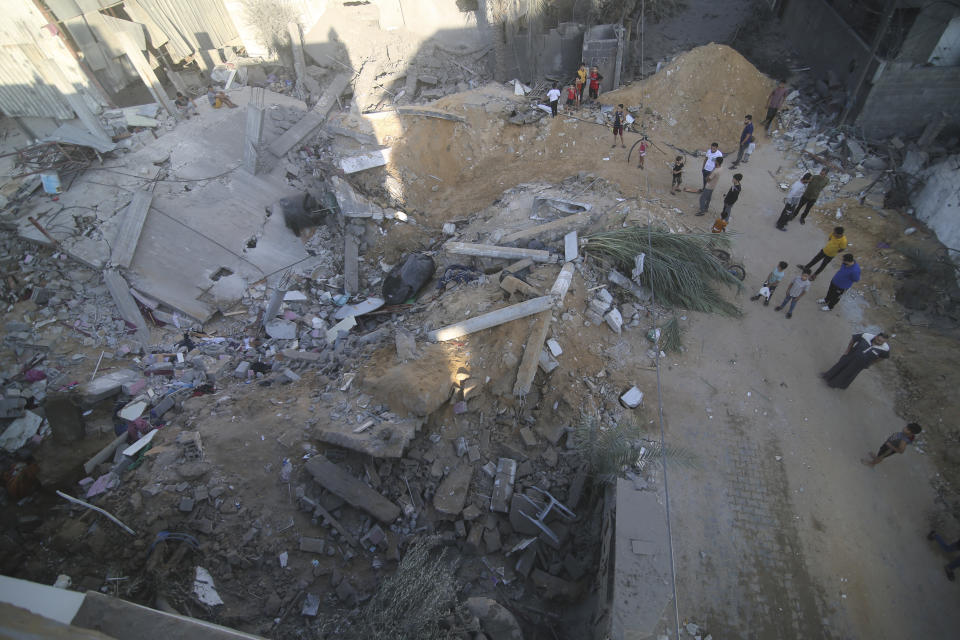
554, 97
843, 279
790, 202
864, 349
809, 197
731, 198
709, 185
712, 154
618, 120
746, 137
774, 103
836, 242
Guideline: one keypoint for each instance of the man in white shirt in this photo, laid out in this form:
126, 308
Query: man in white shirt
554, 97
792, 199
708, 165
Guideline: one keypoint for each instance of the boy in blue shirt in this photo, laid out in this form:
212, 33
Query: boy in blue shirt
843, 279
770, 284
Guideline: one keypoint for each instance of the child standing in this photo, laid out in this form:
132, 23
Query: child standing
770, 284
595, 79
642, 152
677, 175
897, 443
618, 120
554, 97
731, 198
572, 97
798, 289
581, 81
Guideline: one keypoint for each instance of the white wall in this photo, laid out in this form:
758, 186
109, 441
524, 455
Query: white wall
938, 203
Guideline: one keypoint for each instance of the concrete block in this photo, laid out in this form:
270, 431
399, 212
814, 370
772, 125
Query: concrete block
614, 320
604, 296
632, 398
290, 375
554, 347
241, 370
312, 545
547, 362
107, 385
528, 436
449, 229
598, 306
570, 246
503, 485
337, 481
452, 493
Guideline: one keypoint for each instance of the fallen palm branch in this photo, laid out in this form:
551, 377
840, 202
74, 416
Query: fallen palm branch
670, 335
678, 267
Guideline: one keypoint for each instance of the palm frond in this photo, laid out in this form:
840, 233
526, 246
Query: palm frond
679, 268
670, 335
652, 452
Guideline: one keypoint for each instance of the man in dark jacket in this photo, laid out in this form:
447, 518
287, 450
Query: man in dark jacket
730, 198
843, 279
746, 137
810, 195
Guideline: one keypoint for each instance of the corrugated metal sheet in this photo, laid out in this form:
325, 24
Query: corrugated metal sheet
23, 92
34, 63
190, 25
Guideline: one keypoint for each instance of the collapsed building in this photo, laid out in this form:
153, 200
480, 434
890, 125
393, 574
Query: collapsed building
309, 347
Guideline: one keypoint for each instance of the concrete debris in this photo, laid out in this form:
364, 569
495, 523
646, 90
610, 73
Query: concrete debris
20, 430
365, 161
354, 492
503, 482
204, 589
632, 398
452, 492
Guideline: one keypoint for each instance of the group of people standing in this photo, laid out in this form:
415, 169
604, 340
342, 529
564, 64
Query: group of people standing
588, 79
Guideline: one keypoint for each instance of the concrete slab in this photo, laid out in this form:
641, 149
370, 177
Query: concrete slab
388, 439
336, 480
309, 124
364, 161
128, 235
120, 292
641, 582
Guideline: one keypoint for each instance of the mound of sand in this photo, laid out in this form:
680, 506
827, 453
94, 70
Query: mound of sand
699, 98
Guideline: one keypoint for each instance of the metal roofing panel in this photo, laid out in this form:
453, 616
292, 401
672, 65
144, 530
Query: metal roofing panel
23, 90
191, 25
63, 9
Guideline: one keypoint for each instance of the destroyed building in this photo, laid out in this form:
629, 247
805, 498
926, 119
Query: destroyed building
385, 350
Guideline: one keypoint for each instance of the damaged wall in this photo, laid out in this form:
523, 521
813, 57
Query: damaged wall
899, 95
938, 202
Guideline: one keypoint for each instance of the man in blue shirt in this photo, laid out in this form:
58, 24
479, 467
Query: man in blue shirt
843, 279
746, 137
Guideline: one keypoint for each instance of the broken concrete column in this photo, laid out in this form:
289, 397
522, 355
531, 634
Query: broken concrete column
351, 268
253, 132
503, 485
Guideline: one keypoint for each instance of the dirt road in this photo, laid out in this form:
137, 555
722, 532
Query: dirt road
782, 533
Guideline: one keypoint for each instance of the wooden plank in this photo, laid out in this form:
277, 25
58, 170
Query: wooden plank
492, 319
493, 251
128, 235
313, 120
120, 292
353, 491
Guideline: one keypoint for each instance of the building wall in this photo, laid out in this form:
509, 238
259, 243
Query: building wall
825, 41
905, 98
938, 202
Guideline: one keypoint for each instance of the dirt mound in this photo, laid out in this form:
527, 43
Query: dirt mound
682, 108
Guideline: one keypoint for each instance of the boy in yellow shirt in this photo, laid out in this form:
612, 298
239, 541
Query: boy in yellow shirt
836, 242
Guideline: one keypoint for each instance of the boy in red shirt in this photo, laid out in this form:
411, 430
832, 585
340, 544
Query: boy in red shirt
571, 97
595, 79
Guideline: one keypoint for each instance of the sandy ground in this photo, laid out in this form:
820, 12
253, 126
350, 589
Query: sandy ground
782, 533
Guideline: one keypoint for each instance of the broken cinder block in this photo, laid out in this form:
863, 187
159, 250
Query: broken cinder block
632, 398
503, 485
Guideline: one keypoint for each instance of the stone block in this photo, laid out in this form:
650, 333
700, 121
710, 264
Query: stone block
312, 545
632, 398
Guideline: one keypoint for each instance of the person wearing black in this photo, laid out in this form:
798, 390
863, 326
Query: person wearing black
731, 198
677, 175
619, 117
746, 137
864, 349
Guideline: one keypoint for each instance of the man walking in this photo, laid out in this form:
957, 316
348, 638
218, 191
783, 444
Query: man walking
746, 137
774, 103
790, 202
843, 279
836, 242
809, 197
709, 185
713, 153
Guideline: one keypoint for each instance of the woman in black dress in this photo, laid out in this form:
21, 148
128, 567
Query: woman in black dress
864, 349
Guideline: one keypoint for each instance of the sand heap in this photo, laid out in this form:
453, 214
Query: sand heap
699, 97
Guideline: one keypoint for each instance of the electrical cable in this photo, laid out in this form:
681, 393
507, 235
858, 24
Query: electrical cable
663, 459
